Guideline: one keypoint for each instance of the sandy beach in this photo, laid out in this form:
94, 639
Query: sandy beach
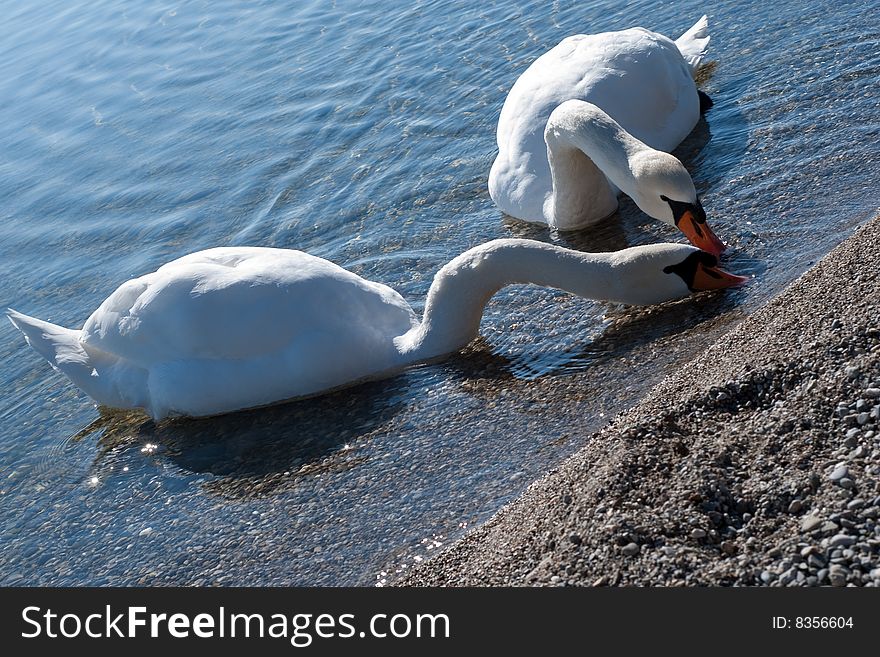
757, 463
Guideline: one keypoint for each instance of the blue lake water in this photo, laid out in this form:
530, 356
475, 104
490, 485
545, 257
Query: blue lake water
363, 132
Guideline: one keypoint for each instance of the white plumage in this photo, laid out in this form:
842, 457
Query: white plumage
641, 79
239, 327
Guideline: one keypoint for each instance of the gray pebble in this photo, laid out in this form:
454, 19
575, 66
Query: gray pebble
630, 549
838, 473
810, 522
829, 526
841, 540
857, 453
837, 575
815, 562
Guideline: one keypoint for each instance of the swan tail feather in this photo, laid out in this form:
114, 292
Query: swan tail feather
694, 43
64, 351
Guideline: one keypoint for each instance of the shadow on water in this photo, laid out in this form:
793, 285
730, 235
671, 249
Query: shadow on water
634, 328
249, 452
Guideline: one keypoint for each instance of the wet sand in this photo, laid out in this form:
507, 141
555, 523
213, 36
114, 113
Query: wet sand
757, 463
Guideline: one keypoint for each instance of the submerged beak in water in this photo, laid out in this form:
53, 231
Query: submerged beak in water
699, 234
690, 218
714, 278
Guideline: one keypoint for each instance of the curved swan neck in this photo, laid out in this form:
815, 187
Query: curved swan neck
462, 288
582, 139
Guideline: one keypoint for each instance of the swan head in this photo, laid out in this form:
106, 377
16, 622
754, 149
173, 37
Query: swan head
665, 191
663, 272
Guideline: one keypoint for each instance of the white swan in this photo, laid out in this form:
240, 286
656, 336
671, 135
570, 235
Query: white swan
240, 327
564, 163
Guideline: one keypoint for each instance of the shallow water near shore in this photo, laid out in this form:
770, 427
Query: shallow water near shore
364, 133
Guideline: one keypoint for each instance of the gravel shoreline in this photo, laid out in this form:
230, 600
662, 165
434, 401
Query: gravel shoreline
758, 463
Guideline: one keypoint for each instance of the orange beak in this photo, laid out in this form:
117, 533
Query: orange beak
700, 235
713, 278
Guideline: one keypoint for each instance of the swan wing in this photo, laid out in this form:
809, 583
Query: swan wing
242, 303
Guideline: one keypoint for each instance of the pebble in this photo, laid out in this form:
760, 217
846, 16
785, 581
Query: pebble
838, 473
829, 526
795, 506
841, 540
810, 522
872, 393
728, 547
857, 453
631, 549
697, 534
837, 575
847, 483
